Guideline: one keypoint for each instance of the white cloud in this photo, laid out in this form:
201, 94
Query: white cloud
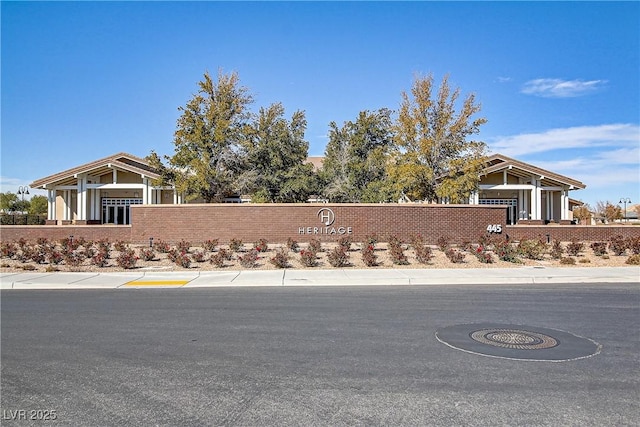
557, 88
611, 136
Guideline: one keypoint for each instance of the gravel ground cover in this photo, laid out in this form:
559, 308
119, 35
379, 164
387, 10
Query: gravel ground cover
264, 256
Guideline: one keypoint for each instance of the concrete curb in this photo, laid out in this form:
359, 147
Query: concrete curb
332, 277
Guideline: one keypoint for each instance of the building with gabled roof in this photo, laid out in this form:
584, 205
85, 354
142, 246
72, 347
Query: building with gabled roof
102, 191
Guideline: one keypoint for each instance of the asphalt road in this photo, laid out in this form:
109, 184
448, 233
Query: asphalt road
312, 356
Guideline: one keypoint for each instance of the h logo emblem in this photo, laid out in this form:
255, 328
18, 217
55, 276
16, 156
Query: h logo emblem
326, 216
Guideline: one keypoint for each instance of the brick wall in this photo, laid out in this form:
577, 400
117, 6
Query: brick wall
278, 222
59, 232
565, 233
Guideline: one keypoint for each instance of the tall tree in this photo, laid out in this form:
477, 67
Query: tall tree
7, 200
276, 154
433, 159
354, 168
209, 140
38, 205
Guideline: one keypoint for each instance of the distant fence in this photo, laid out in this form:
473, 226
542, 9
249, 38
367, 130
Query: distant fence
22, 219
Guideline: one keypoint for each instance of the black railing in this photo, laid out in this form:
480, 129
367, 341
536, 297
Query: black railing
22, 219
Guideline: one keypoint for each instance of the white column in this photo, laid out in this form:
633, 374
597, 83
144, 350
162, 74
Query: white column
51, 204
145, 191
67, 201
550, 195
82, 197
565, 204
520, 202
536, 200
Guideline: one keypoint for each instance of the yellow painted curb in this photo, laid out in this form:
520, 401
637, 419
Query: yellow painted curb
157, 283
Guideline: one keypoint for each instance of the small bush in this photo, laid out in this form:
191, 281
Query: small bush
417, 240
308, 258
345, 242
99, 259
39, 254
633, 244
369, 257
51, 269
182, 259
261, 245
618, 245
28, 267
103, 245
293, 245
210, 245
198, 256
183, 246
120, 246
443, 243
397, 254
599, 248
172, 255
506, 252
235, 245
467, 246
584, 261
74, 258
532, 248
315, 246
127, 259
55, 257
250, 259
371, 239
8, 250
567, 261
483, 256
557, 250
575, 247
161, 246
455, 256
338, 257
633, 259
147, 254
220, 257
281, 258
424, 254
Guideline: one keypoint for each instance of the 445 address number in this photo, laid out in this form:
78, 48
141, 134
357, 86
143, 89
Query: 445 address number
494, 228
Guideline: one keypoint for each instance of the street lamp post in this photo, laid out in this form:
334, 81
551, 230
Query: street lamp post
625, 200
22, 190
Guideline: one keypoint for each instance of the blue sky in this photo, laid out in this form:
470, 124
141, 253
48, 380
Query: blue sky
558, 82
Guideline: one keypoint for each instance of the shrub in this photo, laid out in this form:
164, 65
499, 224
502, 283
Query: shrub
618, 245
394, 240
584, 261
443, 243
99, 259
22, 242
369, 257
235, 245
556, 249
39, 254
220, 257
161, 246
483, 256
147, 254
315, 246
103, 245
575, 247
633, 259
599, 248
308, 258
454, 256
532, 248
74, 258
120, 246
281, 258
28, 267
424, 254
210, 245
293, 245
250, 259
397, 254
54, 257
127, 259
338, 257
567, 261
183, 259
467, 246
183, 246
198, 256
633, 244
172, 255
506, 251
416, 240
371, 239
261, 245
51, 269
345, 242
8, 250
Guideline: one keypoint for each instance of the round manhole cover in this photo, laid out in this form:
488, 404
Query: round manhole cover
518, 342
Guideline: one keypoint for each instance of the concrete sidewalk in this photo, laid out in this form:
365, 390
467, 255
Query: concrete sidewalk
311, 277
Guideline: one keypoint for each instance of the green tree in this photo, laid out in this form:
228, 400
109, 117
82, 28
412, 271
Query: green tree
7, 200
210, 140
275, 169
354, 168
38, 205
608, 212
433, 159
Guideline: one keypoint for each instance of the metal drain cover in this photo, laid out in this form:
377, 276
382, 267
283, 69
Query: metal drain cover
518, 342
